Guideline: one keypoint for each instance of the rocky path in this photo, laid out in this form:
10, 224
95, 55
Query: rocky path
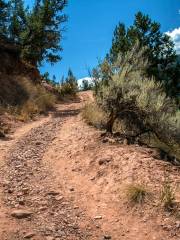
60, 181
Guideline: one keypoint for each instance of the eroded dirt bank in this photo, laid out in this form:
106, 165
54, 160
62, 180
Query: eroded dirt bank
68, 184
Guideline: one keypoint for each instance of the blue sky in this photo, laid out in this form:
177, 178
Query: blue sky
91, 24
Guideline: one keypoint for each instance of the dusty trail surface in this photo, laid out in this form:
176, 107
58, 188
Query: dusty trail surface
60, 181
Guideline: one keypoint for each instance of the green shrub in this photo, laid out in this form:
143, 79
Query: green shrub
141, 103
69, 85
67, 89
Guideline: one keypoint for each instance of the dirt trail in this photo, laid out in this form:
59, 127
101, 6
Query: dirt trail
68, 184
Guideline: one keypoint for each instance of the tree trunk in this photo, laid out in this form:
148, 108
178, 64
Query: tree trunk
110, 122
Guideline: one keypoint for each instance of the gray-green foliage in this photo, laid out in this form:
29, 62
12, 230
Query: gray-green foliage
140, 102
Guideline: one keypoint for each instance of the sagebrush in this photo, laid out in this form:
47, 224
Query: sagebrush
140, 102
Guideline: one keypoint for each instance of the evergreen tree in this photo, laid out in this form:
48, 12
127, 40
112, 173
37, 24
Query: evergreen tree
120, 42
62, 80
46, 77
41, 40
160, 49
71, 79
68, 86
18, 21
3, 18
37, 32
147, 33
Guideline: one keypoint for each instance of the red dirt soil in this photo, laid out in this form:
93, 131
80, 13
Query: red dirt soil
85, 180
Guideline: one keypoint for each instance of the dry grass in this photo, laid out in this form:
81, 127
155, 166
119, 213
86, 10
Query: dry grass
34, 99
2, 131
168, 196
136, 194
94, 115
40, 102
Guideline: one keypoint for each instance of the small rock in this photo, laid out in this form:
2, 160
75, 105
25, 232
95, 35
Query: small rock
29, 235
21, 202
10, 190
71, 189
125, 142
107, 237
104, 161
49, 238
92, 178
25, 190
98, 217
53, 193
59, 198
112, 141
44, 208
105, 140
21, 214
178, 224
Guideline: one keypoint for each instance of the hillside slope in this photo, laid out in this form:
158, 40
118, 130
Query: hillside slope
12, 70
21, 93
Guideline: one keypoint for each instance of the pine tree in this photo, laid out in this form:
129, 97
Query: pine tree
3, 18
119, 43
160, 49
62, 80
37, 32
42, 38
18, 21
71, 79
147, 33
68, 85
